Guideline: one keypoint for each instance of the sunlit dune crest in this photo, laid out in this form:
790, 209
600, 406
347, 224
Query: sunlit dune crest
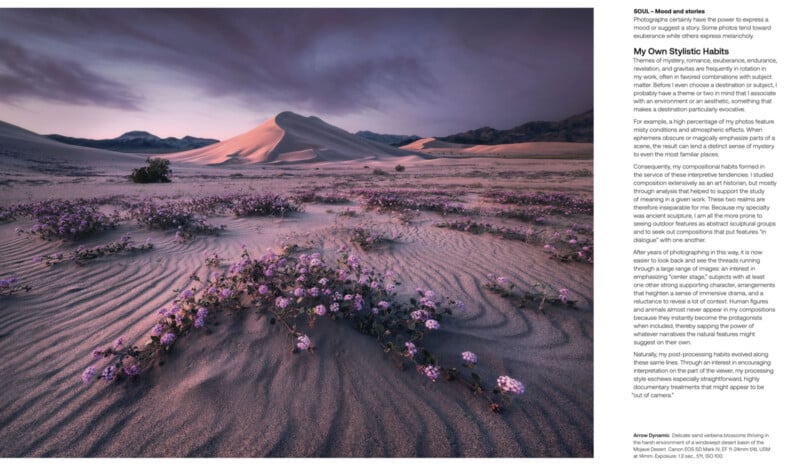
290, 138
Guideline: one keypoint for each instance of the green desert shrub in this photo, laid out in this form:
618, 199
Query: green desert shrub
156, 171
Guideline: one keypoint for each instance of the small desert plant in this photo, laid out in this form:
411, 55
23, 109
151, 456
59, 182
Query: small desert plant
534, 299
68, 220
366, 238
266, 204
294, 292
380, 172
399, 168
83, 254
156, 171
12, 285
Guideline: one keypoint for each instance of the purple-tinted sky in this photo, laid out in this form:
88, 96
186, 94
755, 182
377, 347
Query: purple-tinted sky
218, 73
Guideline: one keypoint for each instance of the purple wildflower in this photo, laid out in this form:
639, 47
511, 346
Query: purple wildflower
226, 292
431, 372
282, 302
97, 354
132, 370
508, 385
109, 373
432, 324
383, 305
420, 314
186, 294
563, 293
299, 292
320, 310
88, 375
118, 343
303, 343
263, 290
157, 330
334, 307
469, 357
168, 339
411, 349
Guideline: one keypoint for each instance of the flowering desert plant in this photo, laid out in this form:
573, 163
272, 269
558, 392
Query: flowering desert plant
9, 286
537, 298
571, 245
567, 204
68, 219
169, 215
469, 225
385, 200
83, 254
295, 291
265, 204
314, 196
367, 238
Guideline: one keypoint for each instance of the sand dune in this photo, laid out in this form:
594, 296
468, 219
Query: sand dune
24, 151
434, 146
240, 392
290, 138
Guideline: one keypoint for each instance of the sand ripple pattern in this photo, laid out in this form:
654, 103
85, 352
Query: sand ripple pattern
239, 391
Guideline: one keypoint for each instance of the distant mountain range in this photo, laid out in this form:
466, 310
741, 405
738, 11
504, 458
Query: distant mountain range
140, 142
577, 128
396, 140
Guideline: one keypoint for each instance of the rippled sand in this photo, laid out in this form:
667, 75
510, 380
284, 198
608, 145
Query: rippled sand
239, 391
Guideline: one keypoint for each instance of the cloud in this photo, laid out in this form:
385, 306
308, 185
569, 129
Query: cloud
443, 67
24, 73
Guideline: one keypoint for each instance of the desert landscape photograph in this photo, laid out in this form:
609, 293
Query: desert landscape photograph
296, 233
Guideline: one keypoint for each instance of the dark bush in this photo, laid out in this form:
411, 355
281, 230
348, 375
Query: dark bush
379, 172
400, 168
156, 171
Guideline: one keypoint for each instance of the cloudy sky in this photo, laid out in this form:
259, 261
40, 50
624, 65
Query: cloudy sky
218, 73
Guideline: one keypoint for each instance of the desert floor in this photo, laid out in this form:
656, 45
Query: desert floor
240, 391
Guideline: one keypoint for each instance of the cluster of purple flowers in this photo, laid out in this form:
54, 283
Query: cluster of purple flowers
296, 290
266, 204
569, 246
166, 216
569, 204
469, 225
469, 358
70, 220
9, 286
368, 239
536, 298
417, 199
82, 254
309, 196
304, 343
508, 385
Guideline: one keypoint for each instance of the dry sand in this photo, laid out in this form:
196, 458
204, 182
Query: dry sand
291, 138
239, 391
544, 150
